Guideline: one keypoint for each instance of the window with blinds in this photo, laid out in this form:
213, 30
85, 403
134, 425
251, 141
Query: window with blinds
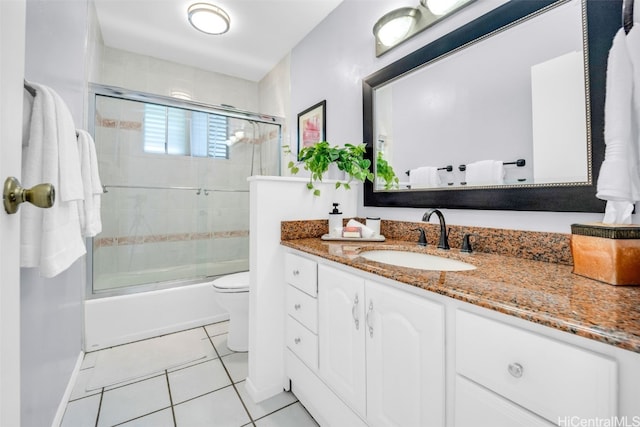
169, 130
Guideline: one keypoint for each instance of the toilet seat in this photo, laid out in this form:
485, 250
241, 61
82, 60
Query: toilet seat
232, 283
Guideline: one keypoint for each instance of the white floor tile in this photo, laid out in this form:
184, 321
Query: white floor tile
217, 328
134, 400
162, 418
82, 412
259, 410
220, 341
80, 387
221, 408
292, 416
197, 380
237, 365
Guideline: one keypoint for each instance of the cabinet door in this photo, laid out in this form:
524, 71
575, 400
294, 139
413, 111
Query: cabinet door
341, 337
405, 358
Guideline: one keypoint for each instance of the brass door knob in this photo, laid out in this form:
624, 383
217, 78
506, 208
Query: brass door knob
41, 195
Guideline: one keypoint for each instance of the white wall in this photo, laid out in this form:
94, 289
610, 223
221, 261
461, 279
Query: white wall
273, 200
274, 99
330, 64
51, 318
151, 75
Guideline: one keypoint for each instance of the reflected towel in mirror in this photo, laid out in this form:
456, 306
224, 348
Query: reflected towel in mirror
423, 177
485, 172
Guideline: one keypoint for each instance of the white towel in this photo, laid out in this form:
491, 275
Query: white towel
89, 208
50, 238
619, 181
367, 232
425, 176
485, 172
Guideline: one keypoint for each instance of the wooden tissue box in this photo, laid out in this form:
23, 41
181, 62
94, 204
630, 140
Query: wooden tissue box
608, 253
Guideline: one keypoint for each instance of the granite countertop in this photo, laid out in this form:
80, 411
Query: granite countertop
542, 292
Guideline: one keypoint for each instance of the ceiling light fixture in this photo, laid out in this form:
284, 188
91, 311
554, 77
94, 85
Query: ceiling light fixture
208, 18
403, 23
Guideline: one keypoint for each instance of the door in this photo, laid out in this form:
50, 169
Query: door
405, 358
12, 42
341, 335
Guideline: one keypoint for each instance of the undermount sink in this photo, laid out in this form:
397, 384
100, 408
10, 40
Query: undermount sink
416, 260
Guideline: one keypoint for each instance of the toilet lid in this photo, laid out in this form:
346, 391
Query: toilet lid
236, 282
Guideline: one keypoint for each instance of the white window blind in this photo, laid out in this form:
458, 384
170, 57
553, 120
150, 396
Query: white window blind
177, 131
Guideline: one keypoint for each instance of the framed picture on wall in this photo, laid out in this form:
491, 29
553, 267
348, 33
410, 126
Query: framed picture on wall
312, 125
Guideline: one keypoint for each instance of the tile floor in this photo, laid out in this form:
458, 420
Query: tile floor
207, 392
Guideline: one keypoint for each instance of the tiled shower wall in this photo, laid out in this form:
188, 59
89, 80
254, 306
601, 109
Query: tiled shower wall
152, 235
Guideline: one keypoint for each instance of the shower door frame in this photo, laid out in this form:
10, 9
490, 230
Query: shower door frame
95, 90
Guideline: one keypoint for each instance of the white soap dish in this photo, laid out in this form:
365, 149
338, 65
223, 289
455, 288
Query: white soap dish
379, 238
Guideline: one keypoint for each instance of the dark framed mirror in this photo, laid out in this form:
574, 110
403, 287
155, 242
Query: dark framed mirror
523, 188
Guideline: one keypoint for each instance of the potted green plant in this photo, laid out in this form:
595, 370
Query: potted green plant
349, 159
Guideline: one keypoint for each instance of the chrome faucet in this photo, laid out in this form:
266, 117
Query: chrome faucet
444, 239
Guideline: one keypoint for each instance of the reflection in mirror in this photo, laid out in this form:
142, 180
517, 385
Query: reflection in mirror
509, 109
544, 189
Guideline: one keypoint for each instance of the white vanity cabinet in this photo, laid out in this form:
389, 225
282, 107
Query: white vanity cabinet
302, 309
363, 351
381, 350
549, 378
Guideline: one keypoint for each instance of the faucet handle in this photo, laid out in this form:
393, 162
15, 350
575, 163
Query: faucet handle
422, 240
466, 243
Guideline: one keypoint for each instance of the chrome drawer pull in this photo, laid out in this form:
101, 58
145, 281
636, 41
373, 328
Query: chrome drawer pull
296, 272
296, 307
516, 370
297, 340
354, 313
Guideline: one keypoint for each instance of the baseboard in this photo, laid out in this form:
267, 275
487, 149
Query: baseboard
57, 420
259, 394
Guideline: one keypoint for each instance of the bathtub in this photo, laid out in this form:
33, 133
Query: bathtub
119, 319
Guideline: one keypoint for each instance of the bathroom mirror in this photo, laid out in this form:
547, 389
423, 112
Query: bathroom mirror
522, 85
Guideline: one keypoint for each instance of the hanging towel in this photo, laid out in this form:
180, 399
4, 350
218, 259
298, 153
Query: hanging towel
89, 208
485, 172
425, 176
50, 238
619, 179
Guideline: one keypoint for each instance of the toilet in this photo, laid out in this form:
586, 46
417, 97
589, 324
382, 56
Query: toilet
232, 294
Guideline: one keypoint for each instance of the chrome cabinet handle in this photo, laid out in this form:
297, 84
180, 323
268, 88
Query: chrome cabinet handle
296, 306
297, 340
354, 313
515, 369
296, 272
370, 319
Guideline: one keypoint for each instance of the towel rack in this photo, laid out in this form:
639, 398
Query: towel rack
447, 168
519, 163
198, 190
627, 16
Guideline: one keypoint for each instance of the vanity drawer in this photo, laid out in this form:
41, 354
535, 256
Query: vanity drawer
302, 342
547, 377
476, 406
303, 308
301, 273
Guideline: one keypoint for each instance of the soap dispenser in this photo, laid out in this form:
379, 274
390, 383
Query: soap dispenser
335, 221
